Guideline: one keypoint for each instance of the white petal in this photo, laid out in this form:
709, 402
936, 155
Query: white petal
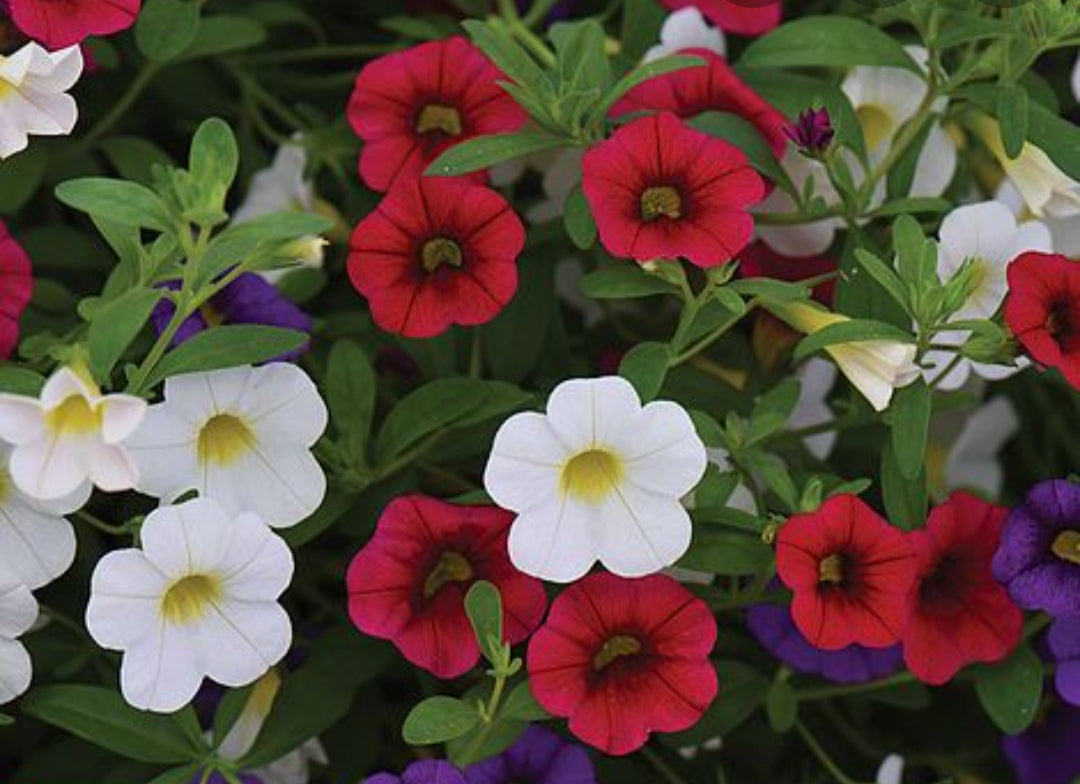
160, 672
936, 165
662, 452
16, 670
593, 412
189, 538
525, 463
125, 599
37, 547
112, 469
875, 367
121, 416
50, 467
687, 29
197, 397
972, 462
1075, 79
239, 641
980, 231
555, 541
817, 378
18, 608
891, 770
165, 450
282, 485
641, 533
258, 565
283, 406
61, 385
20, 419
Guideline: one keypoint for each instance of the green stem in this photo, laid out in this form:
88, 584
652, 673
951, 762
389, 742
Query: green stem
135, 90
711, 338
829, 692
666, 771
823, 757
470, 753
101, 525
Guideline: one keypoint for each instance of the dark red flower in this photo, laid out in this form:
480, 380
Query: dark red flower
16, 286
621, 658
660, 189
959, 613
760, 261
812, 132
851, 573
713, 87
408, 583
1043, 310
437, 251
410, 106
745, 17
61, 23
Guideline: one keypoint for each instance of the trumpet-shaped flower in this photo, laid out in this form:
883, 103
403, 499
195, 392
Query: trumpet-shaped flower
1043, 310
33, 94
1045, 189
18, 612
60, 24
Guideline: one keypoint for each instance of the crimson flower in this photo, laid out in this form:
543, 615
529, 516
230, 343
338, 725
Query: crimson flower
57, 24
408, 583
621, 658
16, 285
410, 106
744, 17
713, 87
959, 613
1043, 310
851, 573
660, 189
437, 251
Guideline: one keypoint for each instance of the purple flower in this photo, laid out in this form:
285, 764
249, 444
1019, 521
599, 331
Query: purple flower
1047, 753
812, 132
1063, 641
247, 300
423, 772
217, 778
540, 756
1039, 556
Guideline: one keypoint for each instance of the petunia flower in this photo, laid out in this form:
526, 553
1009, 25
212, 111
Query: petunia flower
959, 613
409, 107
1043, 310
1047, 752
18, 612
60, 24
851, 573
891, 770
687, 29
539, 756
660, 189
623, 658
598, 477
241, 436
408, 583
1044, 188
743, 17
1039, 557
70, 437
16, 286
1063, 640
198, 600
436, 252
422, 772
33, 94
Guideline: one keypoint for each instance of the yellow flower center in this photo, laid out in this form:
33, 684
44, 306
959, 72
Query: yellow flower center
211, 315
592, 476
439, 117
661, 202
876, 122
224, 439
451, 568
189, 598
616, 647
74, 416
1066, 546
831, 569
440, 251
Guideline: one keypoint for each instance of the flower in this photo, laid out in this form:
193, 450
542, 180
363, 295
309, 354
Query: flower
623, 658
660, 189
18, 612
16, 285
851, 573
539, 756
199, 599
804, 239
247, 299
959, 613
436, 252
1063, 640
1044, 188
33, 93
1047, 752
598, 477
744, 17
816, 377
60, 24
408, 583
423, 772
687, 29
411, 106
1042, 309
241, 436
812, 132
713, 87
891, 770
1039, 557
69, 437
971, 463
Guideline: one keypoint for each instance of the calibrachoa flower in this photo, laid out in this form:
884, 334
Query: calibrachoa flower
805, 239
540, 756
972, 461
623, 658
660, 189
241, 436
16, 285
408, 584
812, 132
422, 772
598, 477
18, 611
1047, 752
1063, 639
744, 17
1039, 557
410, 106
60, 24
851, 573
33, 94
198, 600
1044, 188
959, 613
687, 29
438, 251
1043, 310
69, 437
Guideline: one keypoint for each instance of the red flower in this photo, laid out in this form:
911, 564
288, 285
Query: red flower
16, 285
745, 17
851, 573
713, 87
410, 106
1043, 310
408, 583
437, 251
620, 658
761, 261
959, 614
660, 189
61, 23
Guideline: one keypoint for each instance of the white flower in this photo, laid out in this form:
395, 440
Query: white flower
33, 99
69, 437
971, 462
803, 239
687, 29
891, 770
1065, 231
817, 377
199, 600
18, 612
960, 368
241, 436
1074, 80
598, 477
1045, 189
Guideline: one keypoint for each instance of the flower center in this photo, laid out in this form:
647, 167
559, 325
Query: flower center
452, 567
1058, 320
616, 647
439, 117
592, 476
74, 416
224, 439
211, 315
440, 251
188, 599
876, 124
662, 201
1066, 546
831, 569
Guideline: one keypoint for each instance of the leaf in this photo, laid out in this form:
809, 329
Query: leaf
912, 204
582, 60
483, 605
214, 159
578, 220
437, 720
521, 704
20, 176
511, 59
118, 201
483, 152
905, 501
772, 411
910, 428
829, 41
115, 325
850, 331
645, 366
1012, 114
224, 34
624, 281
885, 276
641, 24
727, 553
350, 386
165, 28
228, 712
514, 341
16, 380
134, 157
183, 775
1010, 691
226, 346
781, 706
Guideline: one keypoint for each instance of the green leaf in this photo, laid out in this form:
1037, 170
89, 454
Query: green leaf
578, 219
737, 131
165, 28
641, 24
483, 152
183, 775
582, 62
645, 366
850, 331
20, 176
885, 276
828, 41
1010, 691
483, 605
912, 204
115, 325
222, 34
16, 380
781, 706
213, 161
1012, 114
134, 157
624, 281
727, 553
228, 712
513, 60
101, 716
906, 501
521, 704
438, 720
514, 342
910, 428
350, 388
226, 346
772, 411
121, 202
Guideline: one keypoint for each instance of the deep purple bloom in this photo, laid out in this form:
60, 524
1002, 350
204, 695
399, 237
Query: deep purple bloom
812, 132
247, 300
1039, 557
423, 772
1047, 753
1063, 640
217, 778
540, 756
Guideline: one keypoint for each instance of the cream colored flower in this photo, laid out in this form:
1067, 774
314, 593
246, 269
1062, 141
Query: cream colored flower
33, 95
1044, 188
18, 612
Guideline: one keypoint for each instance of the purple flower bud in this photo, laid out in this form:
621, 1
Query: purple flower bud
813, 132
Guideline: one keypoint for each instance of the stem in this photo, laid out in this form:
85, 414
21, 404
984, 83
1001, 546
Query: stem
101, 525
829, 692
949, 368
470, 753
135, 90
711, 338
822, 756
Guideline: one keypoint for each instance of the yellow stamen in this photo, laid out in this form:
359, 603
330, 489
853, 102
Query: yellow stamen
592, 476
660, 202
189, 598
211, 315
439, 117
831, 569
451, 568
440, 251
224, 439
616, 647
1066, 546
